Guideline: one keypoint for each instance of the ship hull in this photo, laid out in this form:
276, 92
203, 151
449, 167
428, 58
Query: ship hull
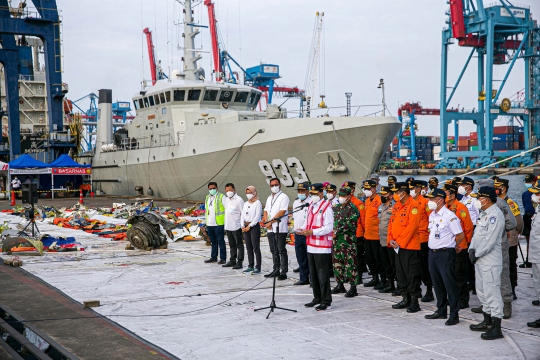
294, 150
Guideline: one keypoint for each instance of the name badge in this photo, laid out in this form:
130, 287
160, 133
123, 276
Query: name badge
437, 232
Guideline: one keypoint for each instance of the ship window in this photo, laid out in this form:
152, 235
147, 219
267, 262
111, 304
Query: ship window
151, 99
157, 125
252, 98
168, 96
241, 97
141, 104
156, 98
194, 95
257, 99
179, 95
146, 102
162, 97
164, 110
226, 95
210, 95
136, 104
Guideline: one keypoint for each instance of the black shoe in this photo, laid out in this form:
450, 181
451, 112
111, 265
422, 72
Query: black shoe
210, 261
428, 297
352, 292
229, 264
534, 324
312, 303
297, 270
221, 262
388, 289
301, 283
414, 306
338, 289
397, 292
237, 266
373, 282
485, 325
536, 302
403, 303
478, 310
274, 273
435, 315
463, 306
495, 332
381, 285
452, 321
323, 307
526, 265
282, 276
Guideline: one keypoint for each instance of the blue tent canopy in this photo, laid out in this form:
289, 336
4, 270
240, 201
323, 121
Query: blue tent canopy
27, 162
65, 161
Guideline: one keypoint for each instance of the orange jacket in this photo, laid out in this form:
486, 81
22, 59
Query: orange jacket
464, 217
404, 224
424, 212
371, 231
360, 226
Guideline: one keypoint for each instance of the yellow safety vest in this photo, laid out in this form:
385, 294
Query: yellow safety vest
219, 209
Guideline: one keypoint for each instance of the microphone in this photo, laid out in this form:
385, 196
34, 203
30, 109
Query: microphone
301, 206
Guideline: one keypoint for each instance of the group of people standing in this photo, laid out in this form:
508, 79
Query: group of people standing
450, 238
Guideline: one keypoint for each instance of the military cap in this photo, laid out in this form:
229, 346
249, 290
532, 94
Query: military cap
416, 183
494, 177
331, 187
345, 191
374, 176
501, 182
535, 189
529, 178
316, 188
436, 193
391, 179
433, 180
409, 179
368, 184
348, 184
400, 186
486, 191
385, 190
303, 186
457, 179
450, 187
485, 182
466, 181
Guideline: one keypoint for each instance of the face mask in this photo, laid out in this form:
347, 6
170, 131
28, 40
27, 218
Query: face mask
432, 205
342, 200
498, 191
315, 198
423, 192
413, 193
477, 204
368, 193
275, 189
230, 194
461, 190
431, 187
212, 192
528, 186
302, 197
384, 199
249, 196
397, 197
535, 198
329, 196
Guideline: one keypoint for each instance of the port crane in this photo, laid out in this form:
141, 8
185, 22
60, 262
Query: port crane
316, 57
155, 66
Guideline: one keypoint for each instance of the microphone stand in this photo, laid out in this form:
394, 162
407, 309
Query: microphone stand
273, 301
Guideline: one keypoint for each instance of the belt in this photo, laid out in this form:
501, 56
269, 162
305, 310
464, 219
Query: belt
442, 249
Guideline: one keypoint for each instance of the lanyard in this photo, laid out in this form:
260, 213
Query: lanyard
273, 201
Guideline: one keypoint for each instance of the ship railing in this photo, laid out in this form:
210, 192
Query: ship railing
143, 142
38, 77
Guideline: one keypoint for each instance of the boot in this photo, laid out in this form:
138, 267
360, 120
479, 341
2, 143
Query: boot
414, 306
485, 325
495, 332
397, 292
338, 289
428, 297
507, 310
373, 282
381, 285
352, 292
534, 324
478, 310
389, 287
403, 303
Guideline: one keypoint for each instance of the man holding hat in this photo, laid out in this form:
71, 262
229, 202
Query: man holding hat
299, 218
486, 254
371, 236
387, 253
331, 194
344, 245
529, 213
534, 249
318, 229
403, 237
445, 235
360, 225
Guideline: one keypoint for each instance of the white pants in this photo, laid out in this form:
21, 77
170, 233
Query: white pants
536, 279
488, 289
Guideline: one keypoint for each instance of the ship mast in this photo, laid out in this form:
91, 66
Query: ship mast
190, 53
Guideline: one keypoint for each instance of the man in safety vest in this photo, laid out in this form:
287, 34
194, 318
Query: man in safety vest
215, 223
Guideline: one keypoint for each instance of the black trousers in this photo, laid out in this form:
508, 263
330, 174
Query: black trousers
253, 246
319, 267
462, 260
408, 272
392, 256
513, 253
279, 251
386, 263
424, 261
361, 258
471, 273
442, 265
373, 257
236, 245
300, 248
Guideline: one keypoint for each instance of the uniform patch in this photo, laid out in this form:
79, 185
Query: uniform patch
463, 214
414, 211
452, 219
362, 207
427, 208
493, 219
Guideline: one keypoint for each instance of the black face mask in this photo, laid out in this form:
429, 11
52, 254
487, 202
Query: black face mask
384, 199
431, 187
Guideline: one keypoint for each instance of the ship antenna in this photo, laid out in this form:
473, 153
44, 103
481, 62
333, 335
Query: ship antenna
190, 53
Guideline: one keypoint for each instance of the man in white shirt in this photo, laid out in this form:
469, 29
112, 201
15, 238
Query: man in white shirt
233, 227
332, 195
276, 207
319, 230
445, 233
299, 217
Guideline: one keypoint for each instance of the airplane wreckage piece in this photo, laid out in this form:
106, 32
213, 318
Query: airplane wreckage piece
144, 232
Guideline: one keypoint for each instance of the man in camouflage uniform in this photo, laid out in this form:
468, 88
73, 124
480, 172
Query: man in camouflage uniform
344, 245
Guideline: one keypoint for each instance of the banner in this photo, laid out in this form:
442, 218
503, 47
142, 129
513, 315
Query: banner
30, 171
72, 171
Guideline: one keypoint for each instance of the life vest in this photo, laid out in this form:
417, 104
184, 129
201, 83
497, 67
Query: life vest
316, 221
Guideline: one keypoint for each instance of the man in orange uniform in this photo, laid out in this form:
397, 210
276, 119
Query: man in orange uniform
361, 261
423, 233
403, 237
371, 236
462, 256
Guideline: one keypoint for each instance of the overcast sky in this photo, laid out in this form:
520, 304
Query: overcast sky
397, 40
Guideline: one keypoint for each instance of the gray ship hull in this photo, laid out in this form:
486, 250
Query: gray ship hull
293, 150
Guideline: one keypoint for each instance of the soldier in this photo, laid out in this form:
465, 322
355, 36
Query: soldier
344, 244
534, 249
485, 252
360, 225
387, 253
331, 194
433, 183
371, 236
391, 180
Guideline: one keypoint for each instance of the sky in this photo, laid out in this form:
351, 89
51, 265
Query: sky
364, 41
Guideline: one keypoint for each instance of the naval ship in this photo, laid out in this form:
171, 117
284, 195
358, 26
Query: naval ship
188, 131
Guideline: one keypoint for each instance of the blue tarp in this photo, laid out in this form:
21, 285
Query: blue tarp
65, 161
27, 162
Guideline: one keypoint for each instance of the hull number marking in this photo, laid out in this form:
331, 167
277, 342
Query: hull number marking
281, 169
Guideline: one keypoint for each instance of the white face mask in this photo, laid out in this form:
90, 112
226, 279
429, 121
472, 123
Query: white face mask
230, 194
249, 196
535, 198
461, 190
423, 192
432, 205
342, 200
315, 198
477, 204
329, 196
368, 193
275, 189
413, 193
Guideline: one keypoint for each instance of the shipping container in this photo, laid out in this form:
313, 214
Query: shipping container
498, 146
473, 142
503, 130
463, 142
503, 138
463, 138
473, 148
521, 130
436, 149
516, 145
404, 152
463, 148
473, 135
521, 137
